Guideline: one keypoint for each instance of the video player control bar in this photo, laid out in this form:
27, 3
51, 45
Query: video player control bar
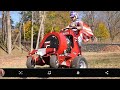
59, 72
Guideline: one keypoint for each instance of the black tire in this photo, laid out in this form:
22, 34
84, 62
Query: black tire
30, 63
54, 63
79, 62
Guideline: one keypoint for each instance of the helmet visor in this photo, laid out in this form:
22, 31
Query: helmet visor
72, 15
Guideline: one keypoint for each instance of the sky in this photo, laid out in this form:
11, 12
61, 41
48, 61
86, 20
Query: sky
14, 15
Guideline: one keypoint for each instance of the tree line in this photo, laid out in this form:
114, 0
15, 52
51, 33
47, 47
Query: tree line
34, 25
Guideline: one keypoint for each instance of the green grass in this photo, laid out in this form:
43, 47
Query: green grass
103, 60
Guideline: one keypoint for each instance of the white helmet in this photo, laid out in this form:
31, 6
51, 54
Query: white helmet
73, 14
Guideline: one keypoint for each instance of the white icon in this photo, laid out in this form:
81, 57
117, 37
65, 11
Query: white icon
20, 72
78, 72
107, 72
49, 73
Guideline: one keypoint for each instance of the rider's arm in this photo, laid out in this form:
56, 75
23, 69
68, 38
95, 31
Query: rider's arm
69, 26
79, 25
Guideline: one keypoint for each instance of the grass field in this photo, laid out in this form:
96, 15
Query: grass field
103, 60
94, 59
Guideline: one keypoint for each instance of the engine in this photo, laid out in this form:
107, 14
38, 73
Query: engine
69, 43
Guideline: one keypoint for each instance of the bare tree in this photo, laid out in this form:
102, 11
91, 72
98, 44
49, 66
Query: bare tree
3, 25
3, 39
42, 26
41, 29
24, 30
40, 21
112, 19
24, 26
36, 17
15, 40
20, 38
89, 18
32, 32
9, 32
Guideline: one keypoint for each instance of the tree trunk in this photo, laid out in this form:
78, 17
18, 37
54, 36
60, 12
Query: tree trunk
15, 41
9, 32
20, 48
92, 19
3, 29
40, 22
42, 32
32, 33
42, 26
24, 31
5, 20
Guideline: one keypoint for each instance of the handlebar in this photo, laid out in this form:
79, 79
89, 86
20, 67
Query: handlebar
70, 28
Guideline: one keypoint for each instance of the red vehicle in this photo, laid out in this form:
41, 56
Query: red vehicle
58, 49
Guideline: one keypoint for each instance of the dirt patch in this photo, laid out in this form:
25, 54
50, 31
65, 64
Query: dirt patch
111, 48
17, 59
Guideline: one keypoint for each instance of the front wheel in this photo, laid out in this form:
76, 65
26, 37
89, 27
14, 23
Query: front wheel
79, 62
30, 62
54, 63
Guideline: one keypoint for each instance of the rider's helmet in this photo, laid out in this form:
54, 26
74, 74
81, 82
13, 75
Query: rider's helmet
73, 14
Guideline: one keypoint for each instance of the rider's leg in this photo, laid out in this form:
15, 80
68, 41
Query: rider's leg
80, 42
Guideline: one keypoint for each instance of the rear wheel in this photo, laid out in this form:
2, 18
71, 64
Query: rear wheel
30, 62
79, 62
54, 63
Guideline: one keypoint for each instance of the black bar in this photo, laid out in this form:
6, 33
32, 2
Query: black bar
62, 72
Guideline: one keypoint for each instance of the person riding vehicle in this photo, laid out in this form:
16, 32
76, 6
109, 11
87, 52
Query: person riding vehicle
77, 24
